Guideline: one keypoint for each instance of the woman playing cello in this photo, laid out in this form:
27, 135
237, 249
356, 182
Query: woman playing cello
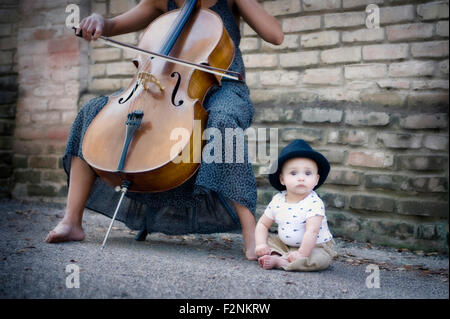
220, 195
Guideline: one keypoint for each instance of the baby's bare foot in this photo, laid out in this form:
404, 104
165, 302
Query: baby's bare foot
272, 261
65, 232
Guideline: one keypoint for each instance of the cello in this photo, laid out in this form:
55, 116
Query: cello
181, 55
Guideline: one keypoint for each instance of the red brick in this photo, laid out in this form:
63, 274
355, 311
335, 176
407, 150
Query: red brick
58, 133
63, 45
43, 162
44, 34
370, 159
414, 31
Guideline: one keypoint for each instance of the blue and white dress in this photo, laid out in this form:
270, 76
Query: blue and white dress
203, 204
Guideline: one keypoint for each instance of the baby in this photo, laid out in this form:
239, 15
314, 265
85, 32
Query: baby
304, 241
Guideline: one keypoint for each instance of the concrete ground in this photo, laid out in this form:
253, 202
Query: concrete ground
191, 266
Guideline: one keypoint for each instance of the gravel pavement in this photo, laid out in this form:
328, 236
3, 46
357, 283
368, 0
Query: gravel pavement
190, 267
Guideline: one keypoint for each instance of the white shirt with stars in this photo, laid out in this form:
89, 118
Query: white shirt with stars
291, 218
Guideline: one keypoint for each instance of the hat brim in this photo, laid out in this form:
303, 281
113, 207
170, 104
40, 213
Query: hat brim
322, 164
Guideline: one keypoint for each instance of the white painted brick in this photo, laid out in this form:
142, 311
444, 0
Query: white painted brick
299, 59
433, 98
105, 84
365, 71
412, 31
323, 76
425, 121
433, 11
248, 31
363, 35
430, 49
397, 14
341, 55
97, 70
356, 85
345, 19
337, 94
430, 84
107, 54
412, 68
120, 68
442, 28
393, 84
260, 60
302, 23
280, 7
120, 6
359, 3
314, 115
436, 142
385, 52
252, 79
315, 5
400, 140
99, 8
359, 118
249, 44
319, 39
291, 41
383, 98
278, 77
443, 68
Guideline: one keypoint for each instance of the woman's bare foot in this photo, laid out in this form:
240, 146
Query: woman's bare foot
248, 225
249, 252
272, 261
65, 232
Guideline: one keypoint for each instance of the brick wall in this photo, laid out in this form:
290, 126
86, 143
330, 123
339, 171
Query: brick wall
373, 100
8, 91
52, 71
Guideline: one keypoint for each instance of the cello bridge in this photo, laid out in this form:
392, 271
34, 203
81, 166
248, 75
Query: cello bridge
145, 77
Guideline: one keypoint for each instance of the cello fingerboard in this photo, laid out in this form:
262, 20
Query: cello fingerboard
177, 26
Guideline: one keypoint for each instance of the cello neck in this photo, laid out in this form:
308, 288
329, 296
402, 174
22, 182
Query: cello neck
178, 25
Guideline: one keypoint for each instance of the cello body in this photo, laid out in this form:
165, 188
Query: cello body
170, 98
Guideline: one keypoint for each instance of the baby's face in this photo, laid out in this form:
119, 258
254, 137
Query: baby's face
300, 176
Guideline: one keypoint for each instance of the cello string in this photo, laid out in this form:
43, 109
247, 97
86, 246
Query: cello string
166, 46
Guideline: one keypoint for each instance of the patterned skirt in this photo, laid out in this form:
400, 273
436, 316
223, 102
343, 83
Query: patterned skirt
204, 203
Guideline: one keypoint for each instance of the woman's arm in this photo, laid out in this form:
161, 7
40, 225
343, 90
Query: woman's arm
263, 23
133, 20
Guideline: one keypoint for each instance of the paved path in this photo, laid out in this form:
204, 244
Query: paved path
189, 267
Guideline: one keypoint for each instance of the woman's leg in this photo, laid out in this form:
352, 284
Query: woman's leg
80, 184
248, 225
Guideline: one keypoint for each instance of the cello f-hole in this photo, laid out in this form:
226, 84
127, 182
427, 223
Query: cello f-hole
175, 90
121, 101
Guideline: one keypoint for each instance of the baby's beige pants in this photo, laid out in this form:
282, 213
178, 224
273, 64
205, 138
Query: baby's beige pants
319, 259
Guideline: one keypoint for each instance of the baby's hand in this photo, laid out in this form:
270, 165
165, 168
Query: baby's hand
294, 256
262, 249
